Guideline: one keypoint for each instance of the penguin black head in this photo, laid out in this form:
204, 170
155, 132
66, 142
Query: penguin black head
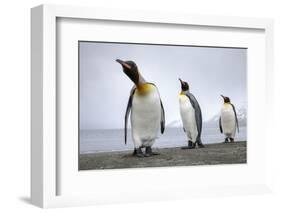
226, 99
130, 69
184, 85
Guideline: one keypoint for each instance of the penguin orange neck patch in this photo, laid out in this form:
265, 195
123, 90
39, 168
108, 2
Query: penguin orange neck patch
227, 104
144, 89
182, 93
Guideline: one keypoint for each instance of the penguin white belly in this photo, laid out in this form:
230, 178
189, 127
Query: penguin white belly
188, 117
228, 122
145, 117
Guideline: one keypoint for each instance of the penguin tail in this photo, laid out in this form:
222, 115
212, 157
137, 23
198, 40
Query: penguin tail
162, 128
125, 134
199, 141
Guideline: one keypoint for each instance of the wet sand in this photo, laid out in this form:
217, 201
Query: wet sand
212, 154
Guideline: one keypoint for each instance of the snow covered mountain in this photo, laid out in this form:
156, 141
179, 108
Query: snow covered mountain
214, 121
241, 116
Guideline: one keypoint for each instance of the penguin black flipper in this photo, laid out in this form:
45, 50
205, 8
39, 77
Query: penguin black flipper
198, 113
162, 121
236, 119
220, 125
129, 106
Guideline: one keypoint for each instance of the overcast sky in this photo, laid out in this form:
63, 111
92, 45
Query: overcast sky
104, 88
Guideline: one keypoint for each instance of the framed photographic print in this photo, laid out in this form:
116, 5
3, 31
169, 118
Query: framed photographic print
128, 103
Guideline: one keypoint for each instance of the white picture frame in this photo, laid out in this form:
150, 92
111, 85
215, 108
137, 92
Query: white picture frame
45, 168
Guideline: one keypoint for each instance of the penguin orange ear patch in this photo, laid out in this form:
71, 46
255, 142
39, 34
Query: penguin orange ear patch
126, 65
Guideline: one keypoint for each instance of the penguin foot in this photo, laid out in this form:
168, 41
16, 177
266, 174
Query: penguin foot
135, 152
138, 153
200, 145
226, 140
148, 152
191, 145
231, 140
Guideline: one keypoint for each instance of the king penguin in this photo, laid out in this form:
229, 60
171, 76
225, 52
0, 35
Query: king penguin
228, 120
145, 109
191, 116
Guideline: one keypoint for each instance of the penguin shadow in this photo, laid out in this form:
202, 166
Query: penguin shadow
160, 154
132, 156
129, 155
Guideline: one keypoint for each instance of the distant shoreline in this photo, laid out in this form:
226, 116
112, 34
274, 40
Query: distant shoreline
212, 154
102, 141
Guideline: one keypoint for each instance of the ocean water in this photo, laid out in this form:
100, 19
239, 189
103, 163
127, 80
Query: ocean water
93, 141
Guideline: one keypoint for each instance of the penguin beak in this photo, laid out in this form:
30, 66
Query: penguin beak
223, 98
181, 81
123, 64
